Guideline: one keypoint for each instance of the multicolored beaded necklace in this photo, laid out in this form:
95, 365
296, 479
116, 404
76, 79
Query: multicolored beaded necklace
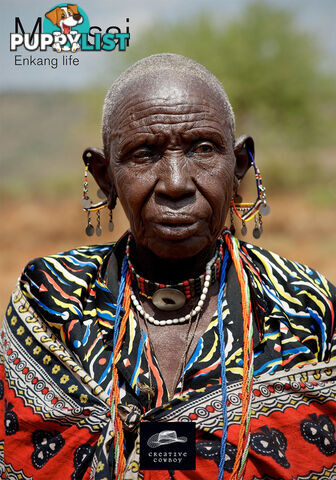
191, 287
124, 300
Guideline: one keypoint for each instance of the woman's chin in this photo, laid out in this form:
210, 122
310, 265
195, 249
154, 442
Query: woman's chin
178, 247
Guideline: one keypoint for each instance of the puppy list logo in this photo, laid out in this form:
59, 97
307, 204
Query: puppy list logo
66, 27
66, 23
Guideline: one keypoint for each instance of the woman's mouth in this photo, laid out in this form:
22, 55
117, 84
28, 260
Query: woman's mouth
175, 229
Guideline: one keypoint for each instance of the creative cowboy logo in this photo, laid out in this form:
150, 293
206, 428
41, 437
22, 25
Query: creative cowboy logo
66, 27
166, 437
167, 446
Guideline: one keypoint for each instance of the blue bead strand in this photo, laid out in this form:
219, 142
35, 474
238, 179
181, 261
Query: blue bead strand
223, 368
119, 302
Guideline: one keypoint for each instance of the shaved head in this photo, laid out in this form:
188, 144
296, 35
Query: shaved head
157, 68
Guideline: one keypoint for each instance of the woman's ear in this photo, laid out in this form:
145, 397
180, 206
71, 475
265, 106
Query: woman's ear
244, 147
100, 170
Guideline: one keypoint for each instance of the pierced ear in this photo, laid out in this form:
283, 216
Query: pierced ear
100, 170
243, 145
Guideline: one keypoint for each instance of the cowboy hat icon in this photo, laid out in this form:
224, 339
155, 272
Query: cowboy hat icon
165, 438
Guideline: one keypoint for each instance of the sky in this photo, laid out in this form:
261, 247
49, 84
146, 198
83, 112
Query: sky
315, 17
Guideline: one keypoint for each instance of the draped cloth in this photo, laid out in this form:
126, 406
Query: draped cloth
56, 358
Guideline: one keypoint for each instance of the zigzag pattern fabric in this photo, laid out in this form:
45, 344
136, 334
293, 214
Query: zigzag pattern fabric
56, 374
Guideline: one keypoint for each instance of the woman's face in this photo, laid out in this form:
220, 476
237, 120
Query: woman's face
172, 163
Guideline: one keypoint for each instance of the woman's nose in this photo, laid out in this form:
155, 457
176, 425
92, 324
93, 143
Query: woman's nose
175, 178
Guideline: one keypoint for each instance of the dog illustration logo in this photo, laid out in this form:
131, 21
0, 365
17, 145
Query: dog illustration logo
65, 20
66, 27
165, 437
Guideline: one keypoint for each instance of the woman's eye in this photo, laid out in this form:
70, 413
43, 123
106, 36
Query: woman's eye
142, 154
203, 148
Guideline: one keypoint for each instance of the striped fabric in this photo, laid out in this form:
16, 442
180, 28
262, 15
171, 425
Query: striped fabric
56, 353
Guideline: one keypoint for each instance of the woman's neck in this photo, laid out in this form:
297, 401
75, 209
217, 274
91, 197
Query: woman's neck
164, 270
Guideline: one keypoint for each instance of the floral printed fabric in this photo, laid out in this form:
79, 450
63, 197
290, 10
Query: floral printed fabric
56, 357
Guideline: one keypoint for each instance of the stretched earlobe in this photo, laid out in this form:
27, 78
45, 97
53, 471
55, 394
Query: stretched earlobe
243, 149
99, 168
246, 211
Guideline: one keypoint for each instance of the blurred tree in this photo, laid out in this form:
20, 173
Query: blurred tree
269, 68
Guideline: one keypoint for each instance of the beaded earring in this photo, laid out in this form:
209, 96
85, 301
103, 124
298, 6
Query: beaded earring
246, 211
89, 207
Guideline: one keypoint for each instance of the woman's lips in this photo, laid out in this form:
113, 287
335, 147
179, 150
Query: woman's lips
176, 229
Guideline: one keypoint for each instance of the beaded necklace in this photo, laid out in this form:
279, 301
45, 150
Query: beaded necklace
124, 300
191, 287
186, 318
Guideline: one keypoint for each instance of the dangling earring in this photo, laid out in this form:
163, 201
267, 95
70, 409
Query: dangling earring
89, 228
87, 204
86, 200
255, 210
98, 227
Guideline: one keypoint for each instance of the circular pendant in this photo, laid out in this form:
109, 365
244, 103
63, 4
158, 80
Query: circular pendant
256, 232
86, 202
98, 231
101, 194
89, 230
264, 210
244, 230
168, 299
110, 226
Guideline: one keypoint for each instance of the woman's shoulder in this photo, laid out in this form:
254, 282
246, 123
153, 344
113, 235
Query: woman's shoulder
296, 298
53, 282
65, 267
276, 268
290, 289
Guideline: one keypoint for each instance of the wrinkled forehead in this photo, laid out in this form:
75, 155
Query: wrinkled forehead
171, 89
171, 97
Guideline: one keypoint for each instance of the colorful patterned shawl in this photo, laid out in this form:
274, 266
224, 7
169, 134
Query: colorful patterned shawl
56, 357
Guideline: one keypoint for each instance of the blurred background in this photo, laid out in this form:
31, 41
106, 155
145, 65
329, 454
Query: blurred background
276, 59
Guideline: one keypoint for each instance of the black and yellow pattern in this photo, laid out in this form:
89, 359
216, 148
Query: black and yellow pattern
57, 356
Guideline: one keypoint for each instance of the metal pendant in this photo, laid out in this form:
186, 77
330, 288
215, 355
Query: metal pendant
168, 299
256, 232
243, 229
264, 209
89, 230
86, 202
101, 194
110, 226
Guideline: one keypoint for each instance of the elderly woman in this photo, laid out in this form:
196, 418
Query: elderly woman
178, 352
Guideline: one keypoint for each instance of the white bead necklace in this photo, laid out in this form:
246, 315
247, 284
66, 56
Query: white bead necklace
186, 318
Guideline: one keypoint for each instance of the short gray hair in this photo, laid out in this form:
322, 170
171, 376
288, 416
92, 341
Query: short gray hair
154, 64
